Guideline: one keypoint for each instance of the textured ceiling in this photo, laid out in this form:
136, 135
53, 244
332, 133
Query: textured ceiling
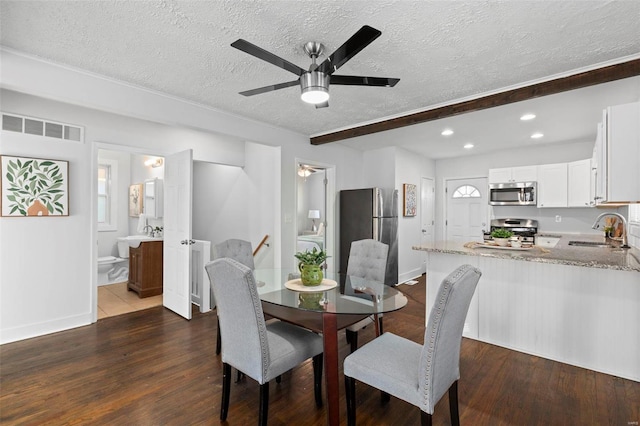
441, 51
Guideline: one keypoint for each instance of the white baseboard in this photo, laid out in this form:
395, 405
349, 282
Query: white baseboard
406, 276
40, 329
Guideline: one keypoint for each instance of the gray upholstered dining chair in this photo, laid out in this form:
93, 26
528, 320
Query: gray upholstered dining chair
418, 374
367, 259
261, 351
239, 250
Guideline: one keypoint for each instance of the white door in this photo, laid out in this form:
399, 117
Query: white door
178, 176
467, 209
427, 213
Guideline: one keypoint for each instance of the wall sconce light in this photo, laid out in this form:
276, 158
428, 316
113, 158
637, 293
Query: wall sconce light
154, 162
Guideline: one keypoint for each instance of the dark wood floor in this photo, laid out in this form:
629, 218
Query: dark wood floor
154, 368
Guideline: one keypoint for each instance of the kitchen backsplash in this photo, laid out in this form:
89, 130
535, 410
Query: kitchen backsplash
577, 221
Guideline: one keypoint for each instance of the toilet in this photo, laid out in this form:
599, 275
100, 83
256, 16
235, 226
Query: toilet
112, 269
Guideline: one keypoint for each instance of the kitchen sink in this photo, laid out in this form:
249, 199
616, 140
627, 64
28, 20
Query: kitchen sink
589, 244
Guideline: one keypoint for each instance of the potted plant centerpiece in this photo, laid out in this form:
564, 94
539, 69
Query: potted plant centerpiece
501, 236
309, 266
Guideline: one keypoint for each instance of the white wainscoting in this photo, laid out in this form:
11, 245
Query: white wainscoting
587, 317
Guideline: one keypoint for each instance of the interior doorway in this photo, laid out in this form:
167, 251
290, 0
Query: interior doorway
427, 214
315, 208
126, 169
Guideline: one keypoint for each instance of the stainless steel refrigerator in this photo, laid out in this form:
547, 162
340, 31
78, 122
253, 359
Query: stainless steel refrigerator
370, 213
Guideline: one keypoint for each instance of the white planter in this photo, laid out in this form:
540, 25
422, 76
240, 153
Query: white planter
502, 242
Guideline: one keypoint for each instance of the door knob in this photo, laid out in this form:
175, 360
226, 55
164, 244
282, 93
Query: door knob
187, 242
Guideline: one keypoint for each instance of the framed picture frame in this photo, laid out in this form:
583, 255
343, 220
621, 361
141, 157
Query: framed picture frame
34, 187
136, 197
410, 201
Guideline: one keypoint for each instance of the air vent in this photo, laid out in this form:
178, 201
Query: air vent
35, 126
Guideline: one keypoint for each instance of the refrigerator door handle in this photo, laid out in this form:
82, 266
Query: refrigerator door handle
378, 203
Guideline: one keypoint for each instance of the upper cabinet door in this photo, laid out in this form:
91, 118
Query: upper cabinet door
621, 135
513, 174
579, 184
500, 175
524, 174
552, 185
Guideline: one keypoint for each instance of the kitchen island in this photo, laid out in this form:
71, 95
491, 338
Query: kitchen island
577, 305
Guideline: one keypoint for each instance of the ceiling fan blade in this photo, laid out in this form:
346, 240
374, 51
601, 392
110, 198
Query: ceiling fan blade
270, 88
354, 80
361, 39
260, 53
322, 105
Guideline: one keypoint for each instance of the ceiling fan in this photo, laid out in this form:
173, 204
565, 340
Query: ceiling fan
314, 83
305, 170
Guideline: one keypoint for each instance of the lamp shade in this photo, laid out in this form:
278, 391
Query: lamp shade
314, 214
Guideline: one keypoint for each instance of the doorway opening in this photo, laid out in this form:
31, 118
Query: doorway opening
315, 208
123, 209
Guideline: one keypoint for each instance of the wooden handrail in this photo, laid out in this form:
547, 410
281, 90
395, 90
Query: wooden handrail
262, 243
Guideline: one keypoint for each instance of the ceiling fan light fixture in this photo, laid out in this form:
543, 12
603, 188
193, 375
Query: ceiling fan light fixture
314, 86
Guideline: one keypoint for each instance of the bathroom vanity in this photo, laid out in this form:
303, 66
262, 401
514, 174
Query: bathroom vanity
145, 268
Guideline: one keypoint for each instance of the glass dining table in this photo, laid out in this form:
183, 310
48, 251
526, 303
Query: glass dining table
340, 301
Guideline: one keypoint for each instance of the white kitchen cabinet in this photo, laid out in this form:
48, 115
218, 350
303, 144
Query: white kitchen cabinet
513, 174
552, 185
618, 155
153, 199
579, 187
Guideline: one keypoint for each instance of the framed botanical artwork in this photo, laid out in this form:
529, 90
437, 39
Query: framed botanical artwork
34, 187
409, 205
135, 199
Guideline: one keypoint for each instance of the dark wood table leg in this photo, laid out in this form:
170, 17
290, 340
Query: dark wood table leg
331, 373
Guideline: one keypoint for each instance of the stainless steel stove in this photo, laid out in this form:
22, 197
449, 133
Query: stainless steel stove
526, 229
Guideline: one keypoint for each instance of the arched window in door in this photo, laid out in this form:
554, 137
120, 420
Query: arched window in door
466, 191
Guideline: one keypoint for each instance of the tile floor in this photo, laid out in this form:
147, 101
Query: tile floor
115, 299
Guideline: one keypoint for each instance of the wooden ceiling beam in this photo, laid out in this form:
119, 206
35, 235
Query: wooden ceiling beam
577, 81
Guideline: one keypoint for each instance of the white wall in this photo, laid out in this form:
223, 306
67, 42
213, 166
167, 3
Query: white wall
410, 168
379, 168
233, 202
392, 167
55, 258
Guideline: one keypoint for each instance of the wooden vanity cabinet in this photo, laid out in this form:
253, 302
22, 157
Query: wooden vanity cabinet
145, 269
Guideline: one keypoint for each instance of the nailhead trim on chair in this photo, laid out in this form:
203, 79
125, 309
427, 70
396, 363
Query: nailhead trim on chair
433, 332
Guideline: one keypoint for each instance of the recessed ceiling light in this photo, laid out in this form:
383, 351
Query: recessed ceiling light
447, 132
537, 135
527, 117
468, 145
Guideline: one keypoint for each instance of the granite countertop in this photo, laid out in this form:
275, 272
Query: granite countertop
561, 254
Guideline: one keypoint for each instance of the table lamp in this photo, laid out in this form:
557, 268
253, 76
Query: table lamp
313, 215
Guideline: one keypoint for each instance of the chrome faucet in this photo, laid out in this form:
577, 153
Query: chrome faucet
150, 233
596, 225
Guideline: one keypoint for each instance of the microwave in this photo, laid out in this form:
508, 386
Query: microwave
512, 194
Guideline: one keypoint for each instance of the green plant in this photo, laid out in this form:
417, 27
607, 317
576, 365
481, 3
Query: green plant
501, 233
34, 180
314, 257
